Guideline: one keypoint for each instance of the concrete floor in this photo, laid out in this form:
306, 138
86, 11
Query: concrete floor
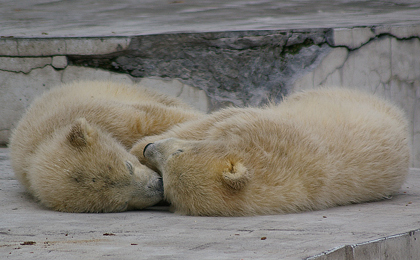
29, 231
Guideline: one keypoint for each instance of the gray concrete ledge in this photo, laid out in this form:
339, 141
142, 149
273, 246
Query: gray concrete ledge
29, 231
45, 18
400, 246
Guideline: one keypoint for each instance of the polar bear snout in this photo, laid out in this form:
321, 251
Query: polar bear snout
145, 148
153, 156
159, 153
155, 186
151, 153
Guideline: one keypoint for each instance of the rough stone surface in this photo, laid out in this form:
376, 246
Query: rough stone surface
352, 37
8, 47
47, 18
17, 90
24, 65
197, 98
231, 67
72, 73
29, 47
384, 65
59, 62
400, 32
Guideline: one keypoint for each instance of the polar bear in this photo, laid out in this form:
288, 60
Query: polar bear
314, 150
70, 149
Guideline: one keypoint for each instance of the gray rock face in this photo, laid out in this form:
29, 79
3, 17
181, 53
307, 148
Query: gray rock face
236, 68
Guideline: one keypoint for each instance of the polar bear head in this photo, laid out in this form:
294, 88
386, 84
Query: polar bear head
200, 177
83, 169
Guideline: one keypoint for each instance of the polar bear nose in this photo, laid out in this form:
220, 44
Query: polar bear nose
144, 150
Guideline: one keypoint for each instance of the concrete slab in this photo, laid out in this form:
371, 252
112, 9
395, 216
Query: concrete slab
28, 230
51, 18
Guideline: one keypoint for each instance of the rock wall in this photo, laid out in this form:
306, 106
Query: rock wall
238, 68
383, 61
213, 70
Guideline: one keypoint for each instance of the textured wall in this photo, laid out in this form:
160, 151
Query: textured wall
383, 61
212, 70
231, 67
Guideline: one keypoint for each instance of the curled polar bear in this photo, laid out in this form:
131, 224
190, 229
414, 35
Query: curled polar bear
315, 150
70, 149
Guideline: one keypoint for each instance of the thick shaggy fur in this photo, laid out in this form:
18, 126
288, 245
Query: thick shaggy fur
70, 149
315, 150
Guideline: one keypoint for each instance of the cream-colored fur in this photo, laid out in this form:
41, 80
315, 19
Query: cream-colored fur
316, 149
70, 149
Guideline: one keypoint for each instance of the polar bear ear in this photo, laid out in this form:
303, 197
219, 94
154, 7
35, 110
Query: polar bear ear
236, 175
81, 133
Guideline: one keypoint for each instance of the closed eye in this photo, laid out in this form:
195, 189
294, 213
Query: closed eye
178, 152
129, 167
